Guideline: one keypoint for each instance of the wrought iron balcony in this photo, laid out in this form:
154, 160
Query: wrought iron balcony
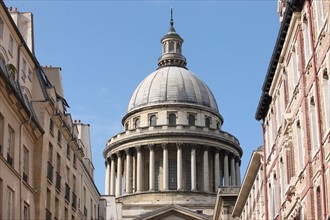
58, 182
67, 192
50, 169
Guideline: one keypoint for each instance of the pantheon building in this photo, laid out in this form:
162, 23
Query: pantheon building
173, 159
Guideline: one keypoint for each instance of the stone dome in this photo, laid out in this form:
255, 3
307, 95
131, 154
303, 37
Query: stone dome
172, 85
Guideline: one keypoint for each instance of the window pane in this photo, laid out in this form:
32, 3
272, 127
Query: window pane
191, 120
172, 119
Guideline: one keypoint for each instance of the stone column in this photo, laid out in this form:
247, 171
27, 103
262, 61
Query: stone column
193, 169
232, 171
119, 174
226, 169
139, 170
112, 176
128, 171
179, 166
216, 170
133, 173
151, 167
107, 177
165, 167
238, 172
206, 175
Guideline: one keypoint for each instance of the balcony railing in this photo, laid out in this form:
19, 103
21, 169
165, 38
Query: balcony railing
10, 160
85, 211
48, 215
50, 169
67, 192
58, 182
74, 200
25, 177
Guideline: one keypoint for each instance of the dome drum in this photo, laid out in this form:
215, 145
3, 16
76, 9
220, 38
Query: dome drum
173, 167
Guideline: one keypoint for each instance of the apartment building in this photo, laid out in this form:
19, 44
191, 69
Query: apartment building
46, 169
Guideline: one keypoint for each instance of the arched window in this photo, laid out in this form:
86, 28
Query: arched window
178, 48
126, 126
191, 120
153, 120
171, 46
137, 123
218, 125
207, 122
172, 119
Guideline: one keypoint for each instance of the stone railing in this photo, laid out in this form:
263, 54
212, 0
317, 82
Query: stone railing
173, 128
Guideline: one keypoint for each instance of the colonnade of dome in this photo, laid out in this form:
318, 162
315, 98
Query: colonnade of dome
171, 166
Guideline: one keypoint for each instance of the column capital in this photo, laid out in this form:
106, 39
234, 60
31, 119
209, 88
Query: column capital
179, 145
138, 148
119, 154
128, 151
112, 157
151, 146
164, 146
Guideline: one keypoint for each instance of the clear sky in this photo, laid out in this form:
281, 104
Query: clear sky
105, 48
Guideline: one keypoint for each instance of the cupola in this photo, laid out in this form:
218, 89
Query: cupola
172, 48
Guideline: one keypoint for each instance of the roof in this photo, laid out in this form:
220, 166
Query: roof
265, 99
172, 85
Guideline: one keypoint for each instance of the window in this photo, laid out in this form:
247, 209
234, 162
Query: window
51, 126
68, 151
57, 206
10, 203
326, 97
2, 27
2, 123
279, 109
300, 146
137, 123
207, 122
68, 175
74, 160
172, 119
178, 48
319, 14
307, 44
30, 74
74, 183
171, 46
25, 164
283, 178
126, 126
172, 168
26, 211
153, 120
295, 67
318, 203
50, 153
313, 126
58, 163
11, 45
24, 70
191, 120
10, 146
59, 137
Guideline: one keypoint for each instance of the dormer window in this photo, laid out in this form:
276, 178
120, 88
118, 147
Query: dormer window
172, 119
153, 120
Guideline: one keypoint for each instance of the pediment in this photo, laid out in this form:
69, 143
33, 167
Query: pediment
172, 212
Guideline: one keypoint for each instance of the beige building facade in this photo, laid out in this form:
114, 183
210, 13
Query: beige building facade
294, 109
173, 155
46, 169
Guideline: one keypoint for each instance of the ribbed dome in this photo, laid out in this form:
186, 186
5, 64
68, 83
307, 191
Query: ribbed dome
169, 85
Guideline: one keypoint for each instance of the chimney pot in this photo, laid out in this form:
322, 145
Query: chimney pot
15, 8
10, 8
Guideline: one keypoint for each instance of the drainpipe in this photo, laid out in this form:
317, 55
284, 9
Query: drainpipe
265, 172
317, 102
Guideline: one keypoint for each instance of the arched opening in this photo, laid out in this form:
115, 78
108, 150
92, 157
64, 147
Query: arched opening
137, 123
207, 122
172, 119
153, 120
191, 120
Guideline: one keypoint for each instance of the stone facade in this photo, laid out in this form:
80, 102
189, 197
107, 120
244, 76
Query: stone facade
46, 170
295, 112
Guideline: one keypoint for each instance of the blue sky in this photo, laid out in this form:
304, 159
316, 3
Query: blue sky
105, 48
